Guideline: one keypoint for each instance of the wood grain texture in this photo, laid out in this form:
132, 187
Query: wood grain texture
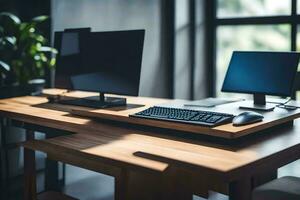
137, 104
136, 146
224, 131
201, 165
29, 170
121, 114
143, 151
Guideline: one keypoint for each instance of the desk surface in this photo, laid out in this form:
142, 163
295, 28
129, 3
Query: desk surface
136, 104
153, 150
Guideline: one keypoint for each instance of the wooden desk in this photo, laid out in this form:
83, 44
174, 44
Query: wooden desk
137, 104
152, 164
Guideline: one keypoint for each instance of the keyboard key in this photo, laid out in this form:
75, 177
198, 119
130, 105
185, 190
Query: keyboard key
214, 119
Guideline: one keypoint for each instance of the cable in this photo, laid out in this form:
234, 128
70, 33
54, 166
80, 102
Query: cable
287, 107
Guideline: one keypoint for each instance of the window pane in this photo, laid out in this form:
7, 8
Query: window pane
298, 38
246, 8
297, 95
248, 37
298, 49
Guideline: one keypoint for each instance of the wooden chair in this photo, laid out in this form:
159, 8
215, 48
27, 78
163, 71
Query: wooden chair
285, 188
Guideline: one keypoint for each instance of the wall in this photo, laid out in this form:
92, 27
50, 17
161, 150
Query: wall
106, 15
200, 73
189, 67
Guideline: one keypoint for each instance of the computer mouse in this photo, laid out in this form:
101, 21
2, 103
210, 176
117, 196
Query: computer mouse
247, 118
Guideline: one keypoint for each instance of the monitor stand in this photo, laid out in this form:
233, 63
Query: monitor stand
96, 101
259, 103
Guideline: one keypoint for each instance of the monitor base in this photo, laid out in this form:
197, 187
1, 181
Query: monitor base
259, 103
95, 102
258, 107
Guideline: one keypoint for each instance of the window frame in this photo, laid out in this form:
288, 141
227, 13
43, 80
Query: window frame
213, 22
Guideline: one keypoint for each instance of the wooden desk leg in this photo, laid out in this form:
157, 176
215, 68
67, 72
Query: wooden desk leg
240, 190
2, 164
121, 182
51, 174
260, 179
29, 170
134, 185
4, 153
176, 185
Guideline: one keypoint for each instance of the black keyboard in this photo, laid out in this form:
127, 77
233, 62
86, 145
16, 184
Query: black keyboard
205, 118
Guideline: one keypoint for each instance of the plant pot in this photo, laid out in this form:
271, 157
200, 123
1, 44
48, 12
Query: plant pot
34, 87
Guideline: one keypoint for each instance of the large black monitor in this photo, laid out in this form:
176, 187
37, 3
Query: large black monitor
261, 73
108, 62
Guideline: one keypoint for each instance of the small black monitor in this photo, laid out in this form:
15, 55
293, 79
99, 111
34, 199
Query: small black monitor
104, 62
261, 73
70, 60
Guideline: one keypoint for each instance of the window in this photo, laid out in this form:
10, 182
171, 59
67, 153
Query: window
253, 25
251, 8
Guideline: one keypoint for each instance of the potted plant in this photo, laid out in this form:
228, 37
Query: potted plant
24, 55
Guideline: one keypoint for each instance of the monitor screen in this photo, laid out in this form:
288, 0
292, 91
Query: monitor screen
108, 62
269, 73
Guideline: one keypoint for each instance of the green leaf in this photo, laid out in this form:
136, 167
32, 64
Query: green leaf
12, 40
11, 17
40, 19
8, 42
52, 62
47, 49
30, 55
43, 58
37, 57
38, 38
10, 23
23, 26
4, 67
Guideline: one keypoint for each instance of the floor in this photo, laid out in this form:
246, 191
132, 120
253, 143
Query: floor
87, 185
